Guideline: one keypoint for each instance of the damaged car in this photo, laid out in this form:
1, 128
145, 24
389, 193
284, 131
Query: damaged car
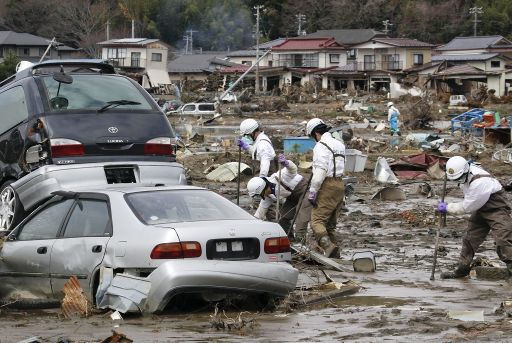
64, 112
180, 240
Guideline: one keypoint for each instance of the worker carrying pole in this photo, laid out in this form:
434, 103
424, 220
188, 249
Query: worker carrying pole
291, 186
484, 199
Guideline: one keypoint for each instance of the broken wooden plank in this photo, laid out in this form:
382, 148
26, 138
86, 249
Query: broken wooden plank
317, 257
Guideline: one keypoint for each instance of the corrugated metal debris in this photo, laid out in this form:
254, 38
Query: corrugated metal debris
75, 303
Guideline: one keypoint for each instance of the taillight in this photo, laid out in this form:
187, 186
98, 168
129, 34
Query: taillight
277, 245
61, 147
176, 250
159, 146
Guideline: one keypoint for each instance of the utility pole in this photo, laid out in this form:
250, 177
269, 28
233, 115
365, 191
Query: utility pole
257, 82
187, 39
108, 29
301, 18
386, 23
191, 38
476, 11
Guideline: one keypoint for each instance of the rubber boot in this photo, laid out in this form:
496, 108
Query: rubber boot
330, 249
509, 268
459, 272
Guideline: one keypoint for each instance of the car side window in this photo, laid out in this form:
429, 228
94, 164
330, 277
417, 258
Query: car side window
206, 107
189, 108
89, 218
46, 223
14, 108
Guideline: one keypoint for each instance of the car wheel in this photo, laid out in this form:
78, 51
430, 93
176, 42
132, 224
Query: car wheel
11, 209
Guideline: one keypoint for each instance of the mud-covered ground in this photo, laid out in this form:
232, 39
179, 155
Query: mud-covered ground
397, 303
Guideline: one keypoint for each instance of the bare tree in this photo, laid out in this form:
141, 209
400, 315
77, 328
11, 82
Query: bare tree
84, 23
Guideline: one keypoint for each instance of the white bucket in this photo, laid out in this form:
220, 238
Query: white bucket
364, 262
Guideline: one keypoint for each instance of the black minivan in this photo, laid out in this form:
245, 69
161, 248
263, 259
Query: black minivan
76, 111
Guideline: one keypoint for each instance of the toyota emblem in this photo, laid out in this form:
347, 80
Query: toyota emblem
113, 129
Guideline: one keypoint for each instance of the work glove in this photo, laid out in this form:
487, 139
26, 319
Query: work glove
442, 207
282, 159
312, 197
242, 144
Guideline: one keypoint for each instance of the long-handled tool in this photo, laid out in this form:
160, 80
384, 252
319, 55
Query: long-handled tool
299, 204
278, 195
238, 181
442, 224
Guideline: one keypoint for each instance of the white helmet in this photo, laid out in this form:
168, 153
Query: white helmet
248, 126
390, 104
255, 186
456, 167
312, 124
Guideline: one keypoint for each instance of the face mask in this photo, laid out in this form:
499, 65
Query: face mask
247, 139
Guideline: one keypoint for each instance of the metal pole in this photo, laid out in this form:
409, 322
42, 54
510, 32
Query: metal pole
278, 195
257, 84
238, 181
442, 224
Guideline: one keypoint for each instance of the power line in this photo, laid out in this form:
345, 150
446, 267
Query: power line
476, 11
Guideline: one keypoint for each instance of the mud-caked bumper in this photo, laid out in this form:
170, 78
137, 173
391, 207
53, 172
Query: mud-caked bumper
228, 277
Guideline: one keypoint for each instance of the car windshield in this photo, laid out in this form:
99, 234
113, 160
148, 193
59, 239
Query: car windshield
92, 92
166, 206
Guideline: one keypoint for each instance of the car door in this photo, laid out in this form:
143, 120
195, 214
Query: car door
81, 246
26, 253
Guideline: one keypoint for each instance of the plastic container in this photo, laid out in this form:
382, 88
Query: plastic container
354, 161
298, 145
364, 262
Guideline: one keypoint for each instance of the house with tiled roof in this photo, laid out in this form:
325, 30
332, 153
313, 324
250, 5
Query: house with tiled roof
465, 63
249, 56
141, 58
31, 48
476, 45
197, 67
377, 63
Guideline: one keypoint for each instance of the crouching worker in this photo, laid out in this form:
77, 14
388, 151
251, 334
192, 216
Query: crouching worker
292, 187
484, 199
327, 190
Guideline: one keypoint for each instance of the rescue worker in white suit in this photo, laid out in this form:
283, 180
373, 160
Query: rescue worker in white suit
262, 149
292, 187
327, 191
484, 199
393, 114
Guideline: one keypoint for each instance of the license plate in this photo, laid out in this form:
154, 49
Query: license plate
237, 246
221, 246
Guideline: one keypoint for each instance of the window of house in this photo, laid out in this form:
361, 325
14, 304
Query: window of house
352, 54
334, 58
417, 59
495, 64
270, 63
23, 51
369, 62
135, 59
247, 63
156, 57
116, 53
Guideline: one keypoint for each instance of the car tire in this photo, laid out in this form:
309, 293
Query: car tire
30, 304
11, 209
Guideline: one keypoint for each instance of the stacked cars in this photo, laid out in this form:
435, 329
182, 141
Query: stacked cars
90, 182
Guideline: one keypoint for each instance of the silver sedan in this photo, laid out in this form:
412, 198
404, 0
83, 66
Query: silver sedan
183, 239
